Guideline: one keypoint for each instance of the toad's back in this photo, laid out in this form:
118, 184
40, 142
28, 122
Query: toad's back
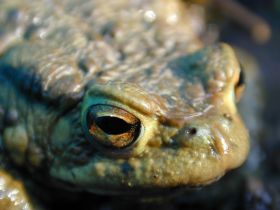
117, 40
108, 96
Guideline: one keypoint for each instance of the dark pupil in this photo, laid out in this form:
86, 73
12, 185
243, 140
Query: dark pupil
113, 125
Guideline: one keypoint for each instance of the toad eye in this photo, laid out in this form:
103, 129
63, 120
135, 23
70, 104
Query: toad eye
240, 85
112, 127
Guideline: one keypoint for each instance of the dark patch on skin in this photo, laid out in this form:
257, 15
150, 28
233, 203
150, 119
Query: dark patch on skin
73, 174
126, 168
98, 75
2, 114
195, 66
1, 144
11, 117
24, 79
78, 154
76, 150
31, 30
83, 159
13, 16
155, 176
122, 55
82, 66
108, 29
70, 100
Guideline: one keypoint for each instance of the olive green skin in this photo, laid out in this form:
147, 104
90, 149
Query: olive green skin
58, 59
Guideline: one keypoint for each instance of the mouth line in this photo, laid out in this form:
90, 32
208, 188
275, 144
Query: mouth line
140, 192
154, 193
126, 192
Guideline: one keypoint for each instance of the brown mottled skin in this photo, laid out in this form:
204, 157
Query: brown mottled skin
116, 97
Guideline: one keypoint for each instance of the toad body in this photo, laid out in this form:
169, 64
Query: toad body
115, 98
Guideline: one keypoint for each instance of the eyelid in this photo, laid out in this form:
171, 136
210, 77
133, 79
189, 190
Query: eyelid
103, 110
134, 97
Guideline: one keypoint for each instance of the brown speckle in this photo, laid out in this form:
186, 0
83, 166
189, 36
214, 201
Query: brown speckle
155, 176
227, 116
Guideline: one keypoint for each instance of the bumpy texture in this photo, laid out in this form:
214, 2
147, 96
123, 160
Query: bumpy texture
70, 69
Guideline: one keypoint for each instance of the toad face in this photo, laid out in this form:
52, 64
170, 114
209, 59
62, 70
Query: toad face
121, 105
132, 138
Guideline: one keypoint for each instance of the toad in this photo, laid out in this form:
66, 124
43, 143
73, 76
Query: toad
114, 98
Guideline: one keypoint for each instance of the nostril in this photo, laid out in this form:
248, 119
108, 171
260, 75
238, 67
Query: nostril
191, 131
113, 125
